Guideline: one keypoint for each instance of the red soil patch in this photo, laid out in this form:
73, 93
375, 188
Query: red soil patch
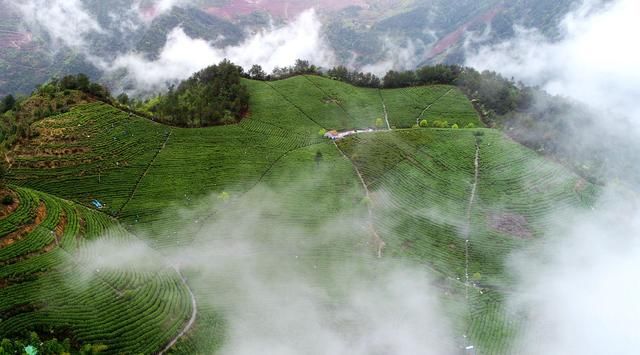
510, 223
62, 225
148, 13
11, 39
454, 37
23, 231
285, 9
44, 152
58, 232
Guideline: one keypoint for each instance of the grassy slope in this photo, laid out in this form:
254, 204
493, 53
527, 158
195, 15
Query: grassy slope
420, 182
407, 106
45, 288
92, 152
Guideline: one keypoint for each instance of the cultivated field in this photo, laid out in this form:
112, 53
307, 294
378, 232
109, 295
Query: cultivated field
48, 287
455, 202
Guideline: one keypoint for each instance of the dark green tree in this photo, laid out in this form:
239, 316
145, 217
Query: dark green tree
257, 73
8, 103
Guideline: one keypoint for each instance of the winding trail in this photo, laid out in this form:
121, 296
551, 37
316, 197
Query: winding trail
431, 104
146, 170
384, 107
379, 243
467, 231
467, 228
190, 323
293, 104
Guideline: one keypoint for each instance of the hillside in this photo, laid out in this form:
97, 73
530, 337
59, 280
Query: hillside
455, 202
48, 287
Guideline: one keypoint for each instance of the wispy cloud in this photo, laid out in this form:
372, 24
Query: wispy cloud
66, 21
183, 55
577, 291
595, 61
284, 287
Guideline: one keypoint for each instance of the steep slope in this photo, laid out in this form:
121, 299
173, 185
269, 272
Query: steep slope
454, 201
460, 202
46, 284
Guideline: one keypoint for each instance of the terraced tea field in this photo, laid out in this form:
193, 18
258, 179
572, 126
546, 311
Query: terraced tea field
46, 286
455, 202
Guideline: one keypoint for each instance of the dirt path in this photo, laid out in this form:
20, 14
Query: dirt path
378, 242
467, 234
466, 231
146, 170
384, 107
327, 94
293, 104
431, 104
192, 320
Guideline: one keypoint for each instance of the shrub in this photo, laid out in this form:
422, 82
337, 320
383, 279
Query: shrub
7, 200
470, 125
424, 123
224, 196
318, 158
455, 126
379, 123
440, 124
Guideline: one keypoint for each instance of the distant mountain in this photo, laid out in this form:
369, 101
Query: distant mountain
403, 34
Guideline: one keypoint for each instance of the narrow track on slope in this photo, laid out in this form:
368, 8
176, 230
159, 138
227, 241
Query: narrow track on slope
294, 105
379, 243
327, 94
467, 233
192, 320
146, 170
431, 104
384, 108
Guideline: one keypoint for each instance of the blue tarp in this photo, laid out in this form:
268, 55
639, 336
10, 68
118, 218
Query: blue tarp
97, 204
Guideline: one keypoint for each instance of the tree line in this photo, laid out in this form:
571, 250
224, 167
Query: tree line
212, 96
216, 95
32, 343
54, 97
493, 94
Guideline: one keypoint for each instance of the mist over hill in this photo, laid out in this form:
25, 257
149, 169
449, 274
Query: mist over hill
112, 40
171, 202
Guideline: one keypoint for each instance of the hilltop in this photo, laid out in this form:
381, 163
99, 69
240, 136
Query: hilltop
455, 201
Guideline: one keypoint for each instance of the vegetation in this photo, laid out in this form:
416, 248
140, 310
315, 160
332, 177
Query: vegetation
407, 170
354, 77
212, 96
112, 308
417, 185
48, 347
7, 200
52, 98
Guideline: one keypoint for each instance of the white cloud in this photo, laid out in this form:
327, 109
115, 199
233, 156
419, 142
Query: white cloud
66, 21
580, 293
180, 57
595, 62
183, 55
397, 57
282, 290
148, 10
